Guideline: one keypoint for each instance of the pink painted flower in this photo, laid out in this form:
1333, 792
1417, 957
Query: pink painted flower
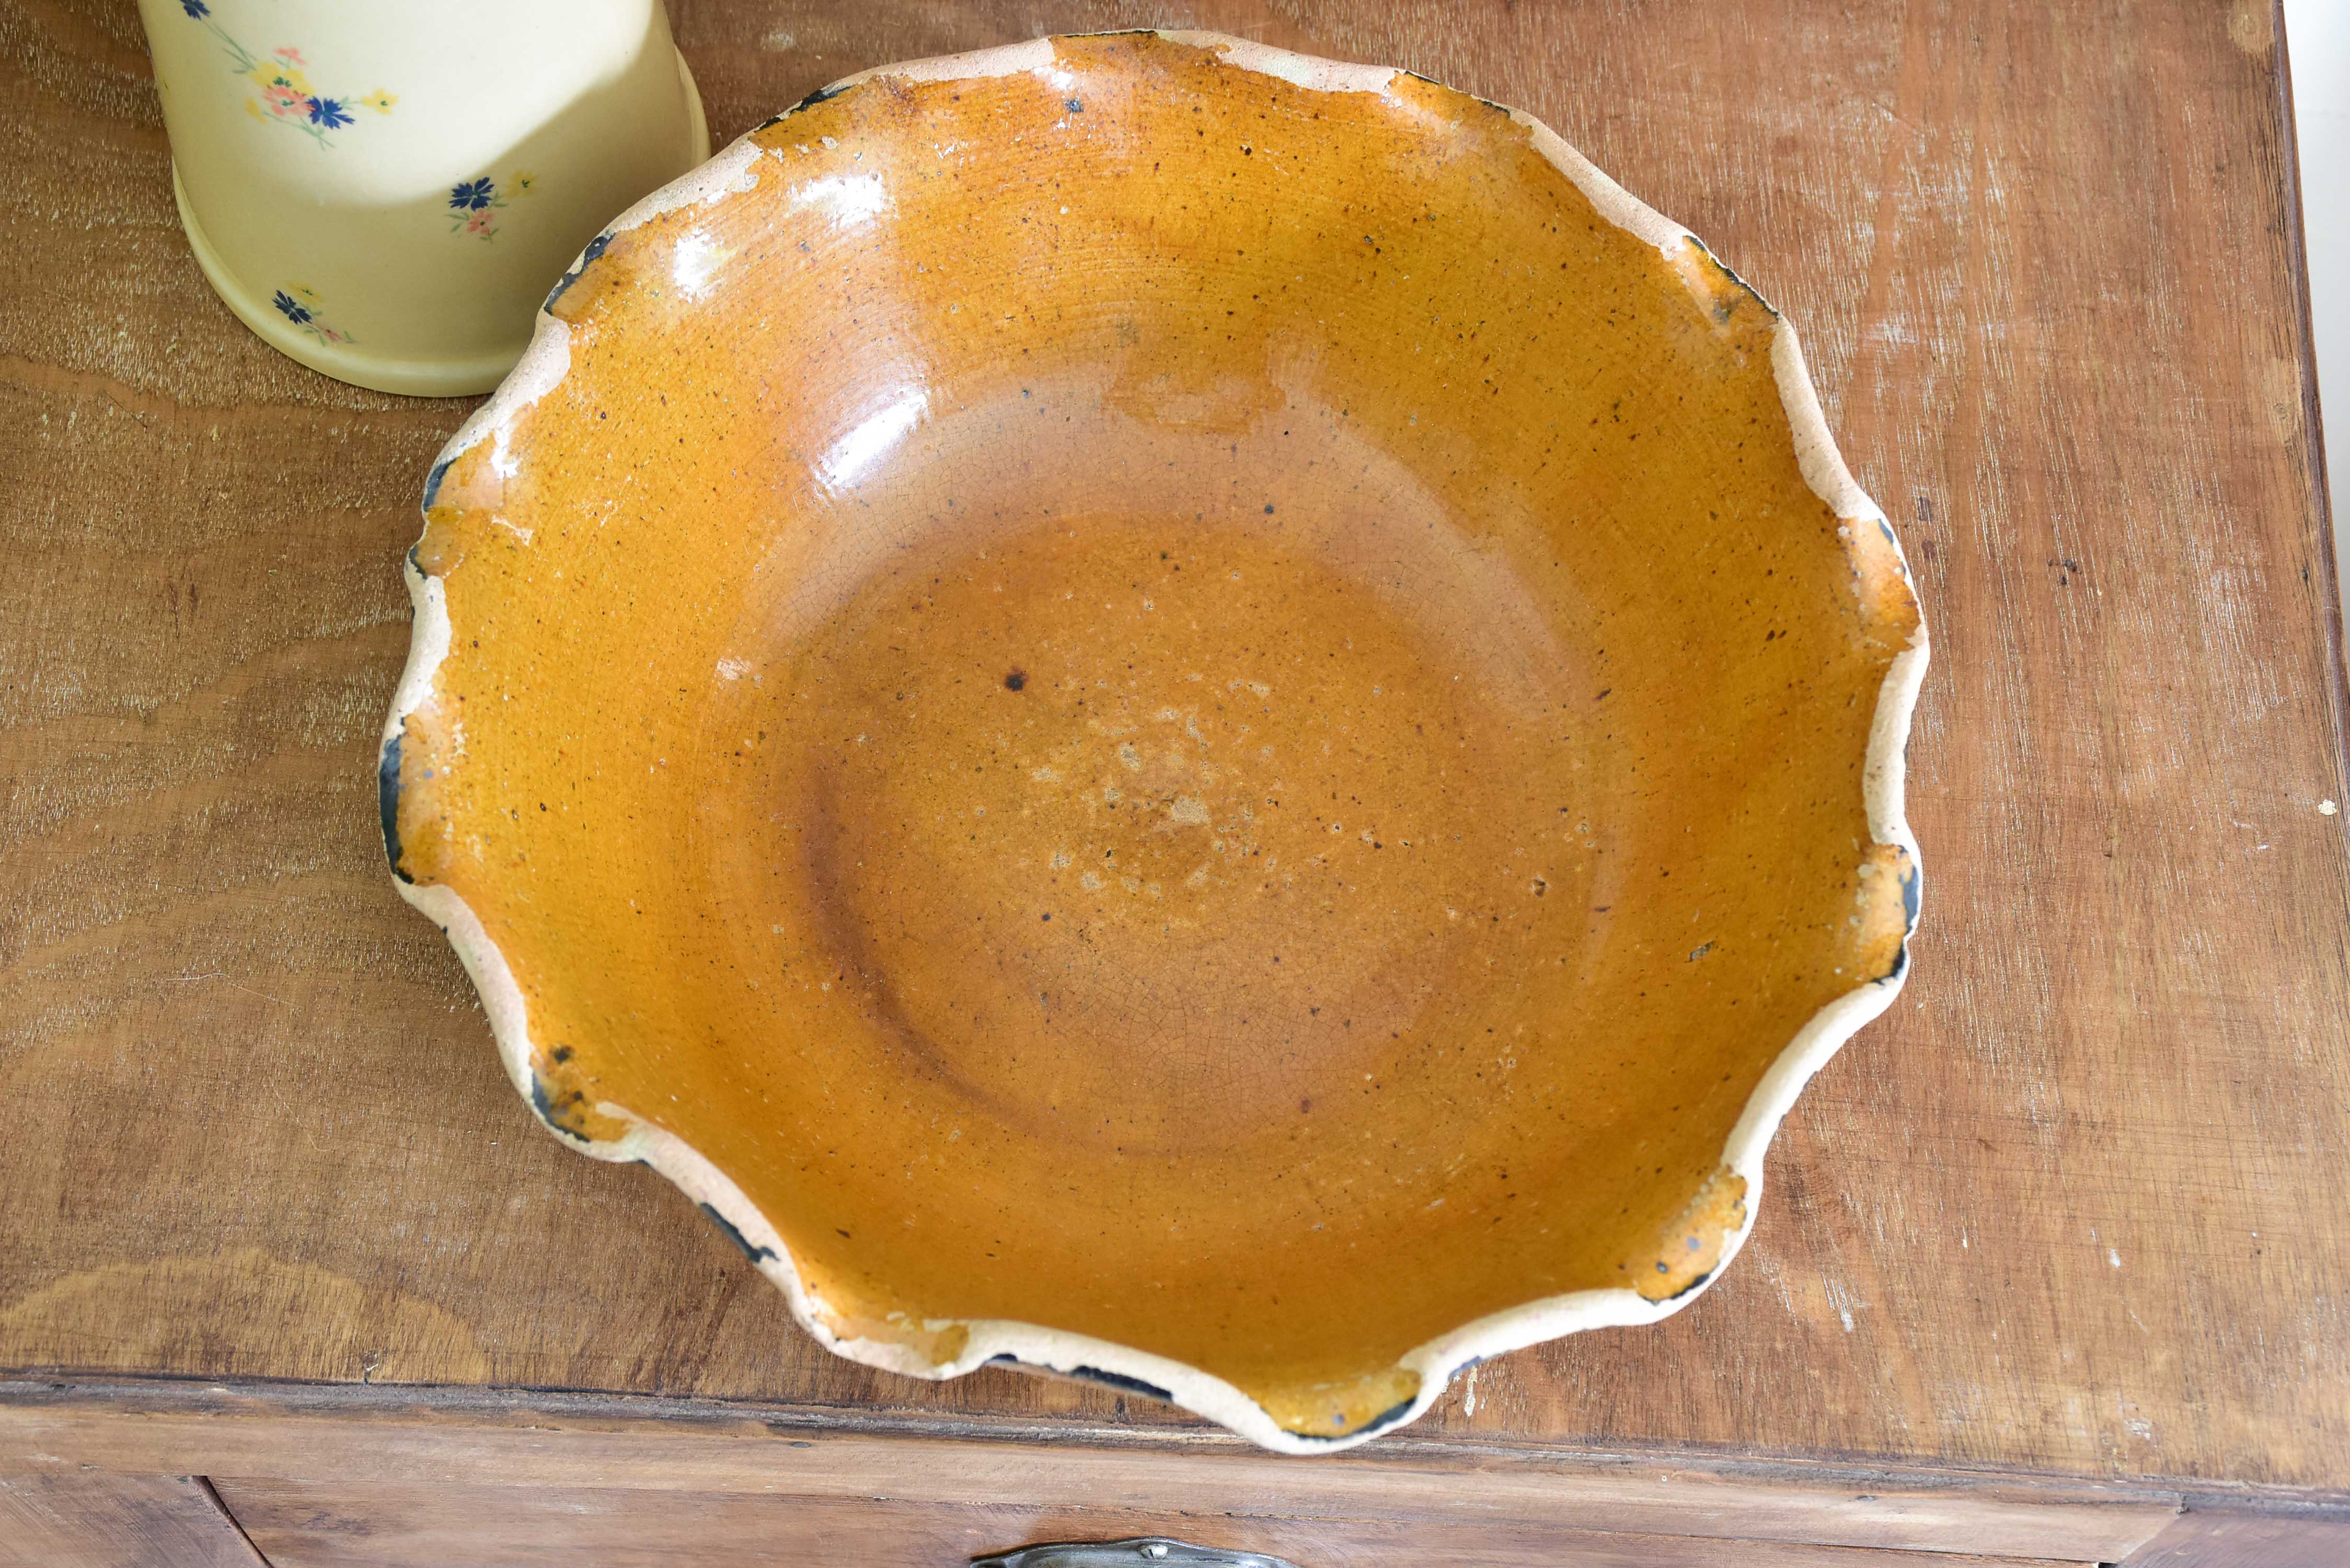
284, 101
481, 223
291, 57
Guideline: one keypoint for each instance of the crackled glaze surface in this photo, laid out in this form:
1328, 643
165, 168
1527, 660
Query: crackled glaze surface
1193, 704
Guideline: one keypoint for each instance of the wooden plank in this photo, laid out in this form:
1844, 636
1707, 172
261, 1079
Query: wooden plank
368, 1525
2071, 1210
116, 1522
331, 1438
2225, 1536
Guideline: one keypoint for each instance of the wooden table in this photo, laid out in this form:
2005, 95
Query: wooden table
2052, 1265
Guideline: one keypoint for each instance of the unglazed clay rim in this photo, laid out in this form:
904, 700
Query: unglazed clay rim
543, 366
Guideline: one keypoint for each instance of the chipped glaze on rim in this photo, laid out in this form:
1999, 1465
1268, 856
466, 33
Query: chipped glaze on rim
544, 366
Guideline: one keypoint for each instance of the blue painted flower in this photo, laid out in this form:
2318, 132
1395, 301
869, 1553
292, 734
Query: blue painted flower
327, 112
291, 309
196, 8
473, 196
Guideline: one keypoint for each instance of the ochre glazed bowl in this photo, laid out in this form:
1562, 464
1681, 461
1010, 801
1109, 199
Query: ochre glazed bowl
1170, 712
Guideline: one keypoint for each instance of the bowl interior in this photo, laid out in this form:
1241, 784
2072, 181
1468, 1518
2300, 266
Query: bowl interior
1153, 701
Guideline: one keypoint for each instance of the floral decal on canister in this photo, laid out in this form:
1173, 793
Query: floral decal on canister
303, 307
474, 204
282, 94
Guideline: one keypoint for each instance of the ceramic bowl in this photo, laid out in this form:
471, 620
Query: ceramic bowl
1161, 709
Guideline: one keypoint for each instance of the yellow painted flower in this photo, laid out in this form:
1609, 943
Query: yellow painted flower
279, 73
282, 91
522, 182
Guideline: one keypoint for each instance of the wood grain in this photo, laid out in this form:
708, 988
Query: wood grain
2225, 1538
116, 1522
330, 1437
300, 1525
2075, 1210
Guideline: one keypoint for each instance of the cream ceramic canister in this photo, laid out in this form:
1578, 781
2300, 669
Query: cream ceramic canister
387, 193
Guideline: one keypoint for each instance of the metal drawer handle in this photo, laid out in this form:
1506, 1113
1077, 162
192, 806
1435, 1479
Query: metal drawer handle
1144, 1552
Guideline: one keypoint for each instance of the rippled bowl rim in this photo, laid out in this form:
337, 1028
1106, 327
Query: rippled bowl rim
542, 367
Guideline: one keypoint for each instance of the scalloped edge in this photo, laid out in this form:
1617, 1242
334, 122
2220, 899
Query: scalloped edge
543, 366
